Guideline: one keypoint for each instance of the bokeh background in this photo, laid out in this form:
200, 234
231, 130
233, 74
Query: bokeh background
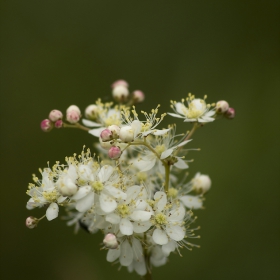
58, 53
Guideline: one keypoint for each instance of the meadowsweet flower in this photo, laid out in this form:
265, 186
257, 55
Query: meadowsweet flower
196, 111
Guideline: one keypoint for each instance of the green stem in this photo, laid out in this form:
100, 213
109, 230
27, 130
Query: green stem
148, 275
76, 125
167, 172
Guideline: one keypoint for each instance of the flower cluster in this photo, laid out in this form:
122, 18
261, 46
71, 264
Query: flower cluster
131, 191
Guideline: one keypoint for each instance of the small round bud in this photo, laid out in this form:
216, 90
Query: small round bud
55, 115
46, 125
221, 107
115, 130
58, 124
31, 222
105, 145
91, 112
114, 152
138, 96
120, 90
201, 183
230, 113
127, 134
73, 108
106, 135
73, 114
110, 241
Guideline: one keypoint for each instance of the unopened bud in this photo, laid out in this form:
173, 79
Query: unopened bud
73, 108
115, 130
230, 113
58, 124
127, 134
105, 145
91, 112
120, 90
114, 152
46, 125
106, 135
110, 241
31, 222
221, 107
201, 183
138, 96
55, 115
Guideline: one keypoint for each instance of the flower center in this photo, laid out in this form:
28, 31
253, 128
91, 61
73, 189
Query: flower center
50, 196
172, 193
161, 219
123, 210
97, 186
160, 149
196, 108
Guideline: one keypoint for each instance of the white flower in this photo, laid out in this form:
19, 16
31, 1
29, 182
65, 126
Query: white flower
196, 111
201, 183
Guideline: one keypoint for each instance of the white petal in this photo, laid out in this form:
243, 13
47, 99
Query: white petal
105, 173
82, 192
177, 233
169, 247
140, 267
176, 115
161, 131
160, 237
141, 204
126, 227
136, 125
90, 123
52, 211
145, 165
137, 249
209, 113
85, 203
107, 203
113, 218
161, 199
96, 131
132, 192
184, 143
181, 164
177, 214
141, 216
113, 254
166, 153
192, 202
117, 193
180, 108
139, 227
61, 199
126, 256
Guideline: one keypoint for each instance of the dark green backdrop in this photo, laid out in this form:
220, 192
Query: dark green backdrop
58, 53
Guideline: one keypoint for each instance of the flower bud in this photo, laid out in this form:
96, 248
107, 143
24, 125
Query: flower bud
230, 113
58, 124
115, 130
91, 112
110, 241
105, 145
55, 115
201, 183
114, 152
221, 107
31, 222
73, 114
46, 125
73, 108
120, 90
106, 135
127, 134
66, 186
138, 96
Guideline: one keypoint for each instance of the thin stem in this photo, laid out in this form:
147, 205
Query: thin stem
167, 172
195, 126
148, 275
76, 125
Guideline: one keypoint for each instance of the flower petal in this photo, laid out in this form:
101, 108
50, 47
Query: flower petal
105, 173
126, 256
117, 193
192, 202
85, 203
90, 123
113, 218
107, 203
177, 233
96, 131
52, 211
82, 192
166, 153
126, 227
141, 216
113, 254
181, 164
139, 227
161, 199
160, 237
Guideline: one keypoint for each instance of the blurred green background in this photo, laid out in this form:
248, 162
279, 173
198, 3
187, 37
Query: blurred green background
58, 53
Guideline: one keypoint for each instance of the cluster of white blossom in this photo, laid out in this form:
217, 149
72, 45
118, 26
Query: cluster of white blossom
131, 191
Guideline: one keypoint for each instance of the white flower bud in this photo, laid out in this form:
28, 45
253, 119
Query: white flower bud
114, 152
201, 183
115, 130
91, 112
110, 241
221, 107
105, 145
55, 115
31, 222
46, 125
73, 114
73, 108
138, 96
127, 134
120, 90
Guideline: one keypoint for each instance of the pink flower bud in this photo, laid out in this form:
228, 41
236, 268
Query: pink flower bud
138, 96
46, 125
91, 112
115, 130
221, 107
230, 113
58, 124
31, 222
120, 83
55, 115
114, 152
73, 116
110, 241
106, 135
